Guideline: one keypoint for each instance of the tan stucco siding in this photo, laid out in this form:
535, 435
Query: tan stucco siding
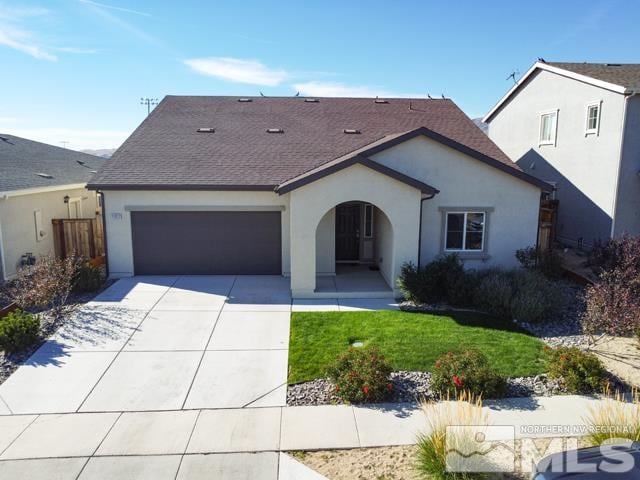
466, 182
118, 205
17, 220
310, 203
584, 167
326, 244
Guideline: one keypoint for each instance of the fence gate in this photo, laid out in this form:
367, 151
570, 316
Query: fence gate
547, 225
84, 236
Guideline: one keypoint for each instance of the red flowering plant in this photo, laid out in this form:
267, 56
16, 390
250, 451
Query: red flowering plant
468, 371
361, 375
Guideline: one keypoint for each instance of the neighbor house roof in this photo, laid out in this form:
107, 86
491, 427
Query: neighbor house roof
167, 152
26, 164
622, 78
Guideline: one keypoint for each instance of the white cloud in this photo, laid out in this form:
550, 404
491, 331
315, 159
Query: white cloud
21, 41
102, 10
336, 89
77, 50
237, 70
114, 7
78, 139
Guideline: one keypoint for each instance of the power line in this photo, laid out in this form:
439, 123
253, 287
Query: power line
149, 102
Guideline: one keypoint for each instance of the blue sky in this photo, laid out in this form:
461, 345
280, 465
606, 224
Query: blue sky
74, 70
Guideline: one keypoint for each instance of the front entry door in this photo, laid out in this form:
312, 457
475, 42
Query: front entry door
347, 233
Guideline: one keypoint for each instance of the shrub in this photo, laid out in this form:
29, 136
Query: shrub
361, 375
494, 292
18, 330
89, 278
613, 420
435, 446
581, 372
547, 262
535, 297
613, 302
438, 281
47, 284
469, 371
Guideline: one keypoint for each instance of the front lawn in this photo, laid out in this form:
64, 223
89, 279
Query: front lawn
410, 341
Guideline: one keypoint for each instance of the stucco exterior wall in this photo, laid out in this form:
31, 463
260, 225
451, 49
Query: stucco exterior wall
310, 203
627, 218
326, 244
118, 205
583, 166
18, 226
467, 182
384, 246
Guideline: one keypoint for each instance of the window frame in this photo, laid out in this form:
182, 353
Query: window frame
76, 201
464, 253
369, 207
593, 131
554, 133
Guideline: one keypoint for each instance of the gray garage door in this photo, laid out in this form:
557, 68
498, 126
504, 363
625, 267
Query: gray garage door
206, 243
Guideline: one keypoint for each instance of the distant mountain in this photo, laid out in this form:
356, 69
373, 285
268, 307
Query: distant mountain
480, 124
101, 152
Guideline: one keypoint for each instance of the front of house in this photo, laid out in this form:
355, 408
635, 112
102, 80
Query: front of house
319, 190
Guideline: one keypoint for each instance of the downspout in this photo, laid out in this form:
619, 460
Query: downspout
619, 172
104, 231
420, 228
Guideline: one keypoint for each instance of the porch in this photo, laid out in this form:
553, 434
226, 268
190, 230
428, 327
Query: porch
353, 281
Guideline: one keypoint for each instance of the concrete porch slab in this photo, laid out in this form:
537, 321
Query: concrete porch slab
236, 466
233, 379
251, 331
149, 433
315, 305
367, 304
241, 430
144, 381
42, 469
75, 435
173, 330
54, 381
317, 428
148, 467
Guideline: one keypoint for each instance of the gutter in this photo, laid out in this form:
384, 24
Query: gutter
104, 231
629, 94
52, 188
429, 197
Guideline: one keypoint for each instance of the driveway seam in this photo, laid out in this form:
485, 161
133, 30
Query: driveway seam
99, 445
124, 345
186, 447
186, 397
19, 435
6, 405
355, 422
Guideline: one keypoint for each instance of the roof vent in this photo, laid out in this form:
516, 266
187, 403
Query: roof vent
381, 100
81, 162
613, 64
206, 130
275, 130
245, 100
351, 131
311, 100
44, 175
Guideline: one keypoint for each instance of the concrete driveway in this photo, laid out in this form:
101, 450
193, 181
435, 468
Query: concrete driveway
163, 343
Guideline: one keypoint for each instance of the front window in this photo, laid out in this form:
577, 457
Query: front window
465, 231
548, 127
593, 118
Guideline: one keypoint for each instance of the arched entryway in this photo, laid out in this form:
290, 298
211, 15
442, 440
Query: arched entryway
354, 250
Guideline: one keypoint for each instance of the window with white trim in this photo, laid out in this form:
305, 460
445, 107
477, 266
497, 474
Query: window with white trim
593, 119
464, 231
548, 128
368, 221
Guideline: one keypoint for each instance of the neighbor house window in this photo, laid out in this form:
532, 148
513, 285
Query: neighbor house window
548, 128
368, 221
464, 231
593, 119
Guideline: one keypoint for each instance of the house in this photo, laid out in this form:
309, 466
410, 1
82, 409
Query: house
577, 126
318, 189
39, 182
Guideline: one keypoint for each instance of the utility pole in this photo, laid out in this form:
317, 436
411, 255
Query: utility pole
64, 143
149, 102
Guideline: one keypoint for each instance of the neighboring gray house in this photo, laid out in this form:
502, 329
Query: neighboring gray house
577, 126
318, 189
39, 182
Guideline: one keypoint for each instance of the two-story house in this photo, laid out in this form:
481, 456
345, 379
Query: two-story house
577, 126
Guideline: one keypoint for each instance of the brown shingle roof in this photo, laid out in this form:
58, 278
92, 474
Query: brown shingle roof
624, 74
166, 151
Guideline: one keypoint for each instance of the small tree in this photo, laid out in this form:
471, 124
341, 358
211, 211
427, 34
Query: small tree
47, 284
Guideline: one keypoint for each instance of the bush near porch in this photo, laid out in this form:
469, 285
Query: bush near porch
409, 341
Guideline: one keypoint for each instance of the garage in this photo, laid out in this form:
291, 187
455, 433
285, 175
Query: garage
206, 243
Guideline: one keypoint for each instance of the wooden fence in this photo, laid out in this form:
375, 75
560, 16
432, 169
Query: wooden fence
84, 236
547, 225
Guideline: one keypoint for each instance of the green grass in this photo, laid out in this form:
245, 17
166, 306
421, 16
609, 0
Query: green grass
410, 341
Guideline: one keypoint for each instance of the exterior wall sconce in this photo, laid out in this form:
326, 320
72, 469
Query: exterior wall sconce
66, 199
